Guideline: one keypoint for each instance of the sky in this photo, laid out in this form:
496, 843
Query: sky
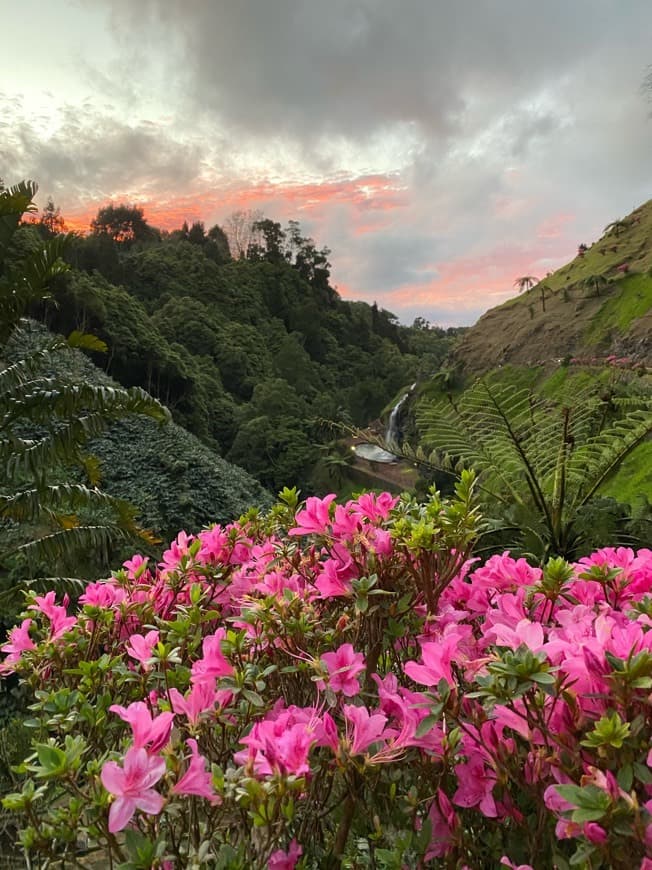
439, 148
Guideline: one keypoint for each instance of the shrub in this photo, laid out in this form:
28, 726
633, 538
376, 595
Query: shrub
342, 685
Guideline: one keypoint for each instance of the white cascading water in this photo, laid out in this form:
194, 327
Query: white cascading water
372, 452
392, 432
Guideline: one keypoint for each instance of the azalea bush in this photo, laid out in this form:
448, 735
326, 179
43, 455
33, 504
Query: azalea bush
342, 685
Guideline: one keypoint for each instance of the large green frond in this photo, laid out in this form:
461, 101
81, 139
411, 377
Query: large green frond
64, 545
488, 430
594, 462
49, 399
30, 504
15, 377
26, 281
14, 202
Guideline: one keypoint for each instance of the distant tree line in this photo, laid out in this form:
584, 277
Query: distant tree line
238, 330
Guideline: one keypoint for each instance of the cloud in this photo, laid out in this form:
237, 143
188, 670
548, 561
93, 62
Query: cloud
90, 155
439, 149
310, 69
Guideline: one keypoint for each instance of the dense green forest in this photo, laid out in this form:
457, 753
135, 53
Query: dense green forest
240, 334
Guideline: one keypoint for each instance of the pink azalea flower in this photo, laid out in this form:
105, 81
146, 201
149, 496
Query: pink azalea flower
276, 582
595, 833
363, 728
146, 729
315, 517
525, 632
330, 582
281, 860
213, 662
174, 554
343, 667
277, 745
136, 568
201, 697
105, 594
445, 822
555, 802
19, 642
133, 786
437, 658
346, 525
214, 545
375, 507
326, 733
475, 786
56, 613
516, 719
196, 780
381, 540
505, 862
140, 647
502, 573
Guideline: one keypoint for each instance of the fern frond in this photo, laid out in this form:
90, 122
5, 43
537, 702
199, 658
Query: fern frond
64, 545
603, 454
29, 504
48, 398
14, 202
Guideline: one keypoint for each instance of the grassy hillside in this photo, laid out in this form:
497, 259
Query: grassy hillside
597, 305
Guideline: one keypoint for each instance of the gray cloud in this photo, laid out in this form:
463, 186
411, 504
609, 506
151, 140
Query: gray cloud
311, 68
500, 117
92, 154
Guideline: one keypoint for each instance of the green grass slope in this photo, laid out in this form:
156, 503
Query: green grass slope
597, 305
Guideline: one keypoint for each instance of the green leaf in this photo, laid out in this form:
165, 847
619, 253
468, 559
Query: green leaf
52, 759
426, 725
86, 341
625, 777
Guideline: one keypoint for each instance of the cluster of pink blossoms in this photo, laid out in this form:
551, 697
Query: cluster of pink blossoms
583, 636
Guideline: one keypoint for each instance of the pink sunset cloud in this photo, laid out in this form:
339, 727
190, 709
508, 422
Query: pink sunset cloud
464, 281
555, 226
367, 195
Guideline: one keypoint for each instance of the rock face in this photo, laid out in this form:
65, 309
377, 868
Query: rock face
597, 305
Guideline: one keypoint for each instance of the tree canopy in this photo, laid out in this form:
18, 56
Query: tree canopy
205, 320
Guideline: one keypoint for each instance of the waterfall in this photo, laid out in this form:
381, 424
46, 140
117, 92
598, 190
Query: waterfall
392, 432
392, 436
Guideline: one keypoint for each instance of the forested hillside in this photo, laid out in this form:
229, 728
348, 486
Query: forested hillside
251, 352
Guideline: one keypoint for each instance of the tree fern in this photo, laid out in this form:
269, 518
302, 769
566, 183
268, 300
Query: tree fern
546, 459
46, 421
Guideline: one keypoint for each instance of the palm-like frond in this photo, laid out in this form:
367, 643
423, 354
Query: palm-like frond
45, 421
14, 202
487, 430
63, 546
30, 504
46, 399
596, 460
530, 451
25, 281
